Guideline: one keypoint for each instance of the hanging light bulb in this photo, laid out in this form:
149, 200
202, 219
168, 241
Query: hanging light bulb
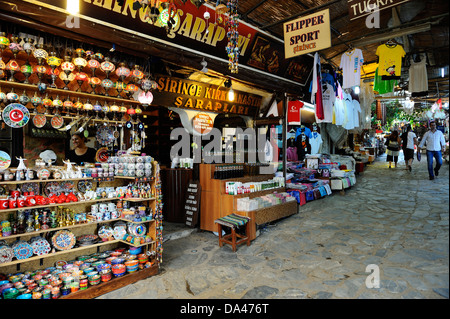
73, 6
230, 95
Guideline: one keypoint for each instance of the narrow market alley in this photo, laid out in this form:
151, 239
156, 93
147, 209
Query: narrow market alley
392, 220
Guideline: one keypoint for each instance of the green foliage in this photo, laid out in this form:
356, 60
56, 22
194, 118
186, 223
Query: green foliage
393, 113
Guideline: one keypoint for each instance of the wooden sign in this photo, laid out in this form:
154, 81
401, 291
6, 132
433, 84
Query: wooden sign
307, 34
199, 96
361, 8
192, 203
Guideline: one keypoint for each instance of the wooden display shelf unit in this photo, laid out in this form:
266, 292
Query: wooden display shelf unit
92, 291
215, 203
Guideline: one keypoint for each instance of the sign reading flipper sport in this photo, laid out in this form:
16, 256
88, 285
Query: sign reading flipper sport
307, 34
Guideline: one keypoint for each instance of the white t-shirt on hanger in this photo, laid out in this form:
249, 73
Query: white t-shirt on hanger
315, 141
351, 62
328, 98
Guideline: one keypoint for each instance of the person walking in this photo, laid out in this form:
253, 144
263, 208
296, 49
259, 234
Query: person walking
393, 148
408, 141
435, 141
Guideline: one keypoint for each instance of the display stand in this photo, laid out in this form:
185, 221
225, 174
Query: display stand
215, 203
93, 291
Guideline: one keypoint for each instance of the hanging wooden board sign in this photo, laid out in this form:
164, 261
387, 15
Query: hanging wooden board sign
192, 203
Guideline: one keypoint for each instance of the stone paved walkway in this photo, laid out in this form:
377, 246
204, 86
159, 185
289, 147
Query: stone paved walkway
394, 219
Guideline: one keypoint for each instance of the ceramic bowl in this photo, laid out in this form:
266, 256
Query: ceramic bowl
118, 260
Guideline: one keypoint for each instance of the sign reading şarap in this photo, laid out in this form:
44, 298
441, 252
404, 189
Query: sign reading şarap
197, 96
307, 34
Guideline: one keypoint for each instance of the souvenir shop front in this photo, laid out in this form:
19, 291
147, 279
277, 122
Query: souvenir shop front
77, 229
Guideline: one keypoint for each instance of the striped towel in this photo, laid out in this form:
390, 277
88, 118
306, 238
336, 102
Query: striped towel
232, 220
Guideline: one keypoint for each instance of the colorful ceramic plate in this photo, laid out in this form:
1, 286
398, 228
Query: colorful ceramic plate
84, 186
67, 186
104, 135
31, 187
22, 250
63, 240
102, 155
16, 115
39, 120
5, 160
40, 246
57, 121
52, 188
6, 254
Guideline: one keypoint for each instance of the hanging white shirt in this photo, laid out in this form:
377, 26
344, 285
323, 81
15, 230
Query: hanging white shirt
351, 62
339, 112
315, 141
328, 98
356, 111
348, 108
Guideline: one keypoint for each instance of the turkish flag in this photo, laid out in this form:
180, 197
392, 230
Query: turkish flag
293, 115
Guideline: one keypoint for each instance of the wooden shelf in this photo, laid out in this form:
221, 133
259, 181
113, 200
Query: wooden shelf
61, 252
45, 180
56, 205
34, 233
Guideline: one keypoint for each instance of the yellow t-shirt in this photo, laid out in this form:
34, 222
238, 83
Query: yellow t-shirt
390, 59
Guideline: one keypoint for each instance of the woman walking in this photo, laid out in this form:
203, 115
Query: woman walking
393, 148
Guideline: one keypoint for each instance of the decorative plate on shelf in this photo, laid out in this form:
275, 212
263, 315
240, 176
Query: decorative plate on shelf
104, 135
22, 249
85, 240
102, 155
120, 230
40, 246
105, 232
39, 120
30, 187
63, 240
16, 115
84, 186
6, 254
67, 186
52, 188
5, 160
57, 121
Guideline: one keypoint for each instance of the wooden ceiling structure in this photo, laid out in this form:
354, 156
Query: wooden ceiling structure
423, 25
410, 18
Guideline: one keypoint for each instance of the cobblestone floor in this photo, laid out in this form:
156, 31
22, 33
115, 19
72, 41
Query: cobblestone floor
392, 218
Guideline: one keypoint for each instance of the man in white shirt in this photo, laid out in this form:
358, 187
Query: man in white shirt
435, 147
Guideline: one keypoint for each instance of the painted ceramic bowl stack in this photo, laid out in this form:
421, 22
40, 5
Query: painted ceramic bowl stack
132, 265
118, 270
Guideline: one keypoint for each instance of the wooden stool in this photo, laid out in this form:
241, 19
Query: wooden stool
233, 221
